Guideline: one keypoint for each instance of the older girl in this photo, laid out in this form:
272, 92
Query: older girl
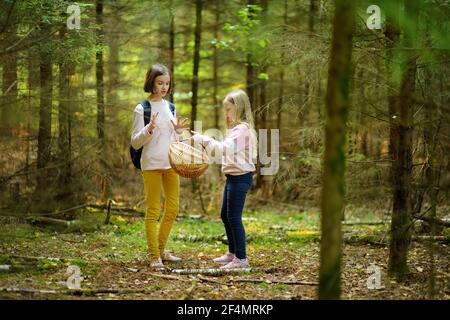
155, 139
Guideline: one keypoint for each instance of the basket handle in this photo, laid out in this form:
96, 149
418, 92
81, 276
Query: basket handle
204, 148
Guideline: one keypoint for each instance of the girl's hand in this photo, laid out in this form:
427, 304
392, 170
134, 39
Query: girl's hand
192, 137
198, 138
152, 124
182, 125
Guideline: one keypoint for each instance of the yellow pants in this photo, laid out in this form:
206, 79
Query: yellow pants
153, 180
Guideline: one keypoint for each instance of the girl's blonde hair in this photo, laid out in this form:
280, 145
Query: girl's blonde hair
243, 112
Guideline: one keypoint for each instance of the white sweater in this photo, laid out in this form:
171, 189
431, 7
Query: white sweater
156, 145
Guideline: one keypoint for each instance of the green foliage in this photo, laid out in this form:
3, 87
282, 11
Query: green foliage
263, 76
48, 265
247, 35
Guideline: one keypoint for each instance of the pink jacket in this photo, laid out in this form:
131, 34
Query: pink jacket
236, 149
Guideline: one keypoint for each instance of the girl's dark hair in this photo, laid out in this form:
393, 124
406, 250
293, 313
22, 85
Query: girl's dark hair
155, 71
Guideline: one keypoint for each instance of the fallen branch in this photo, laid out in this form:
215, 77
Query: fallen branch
213, 271
117, 210
52, 221
5, 267
231, 282
295, 282
76, 292
25, 290
23, 263
433, 220
200, 238
430, 238
203, 278
36, 258
167, 276
372, 240
79, 292
369, 223
385, 241
31, 214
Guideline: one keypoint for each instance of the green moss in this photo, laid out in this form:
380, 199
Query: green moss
280, 287
264, 285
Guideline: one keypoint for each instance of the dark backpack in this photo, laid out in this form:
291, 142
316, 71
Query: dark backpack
136, 154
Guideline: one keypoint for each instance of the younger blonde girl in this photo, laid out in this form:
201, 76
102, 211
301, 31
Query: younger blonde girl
238, 152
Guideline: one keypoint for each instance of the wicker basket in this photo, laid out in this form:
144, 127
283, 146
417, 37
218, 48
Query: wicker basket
188, 161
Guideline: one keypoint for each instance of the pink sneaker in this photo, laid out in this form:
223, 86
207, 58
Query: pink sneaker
236, 264
226, 258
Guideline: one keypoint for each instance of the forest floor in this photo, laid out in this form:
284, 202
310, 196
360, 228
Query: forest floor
283, 249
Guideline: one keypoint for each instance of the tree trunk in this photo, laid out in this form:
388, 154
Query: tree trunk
432, 174
263, 82
66, 70
197, 43
281, 90
402, 153
392, 38
280, 99
216, 67
32, 84
250, 86
198, 35
172, 47
432, 181
313, 9
261, 113
363, 133
337, 101
216, 81
113, 66
99, 74
376, 140
9, 82
260, 180
251, 81
45, 115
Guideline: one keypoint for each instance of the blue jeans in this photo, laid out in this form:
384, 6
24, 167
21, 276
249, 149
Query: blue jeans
236, 188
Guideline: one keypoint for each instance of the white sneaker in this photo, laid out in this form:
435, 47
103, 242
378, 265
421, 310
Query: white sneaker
157, 264
167, 256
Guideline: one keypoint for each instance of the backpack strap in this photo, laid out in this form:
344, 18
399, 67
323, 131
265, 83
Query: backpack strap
172, 108
147, 111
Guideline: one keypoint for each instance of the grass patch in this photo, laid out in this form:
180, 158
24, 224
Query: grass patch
280, 287
12, 232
